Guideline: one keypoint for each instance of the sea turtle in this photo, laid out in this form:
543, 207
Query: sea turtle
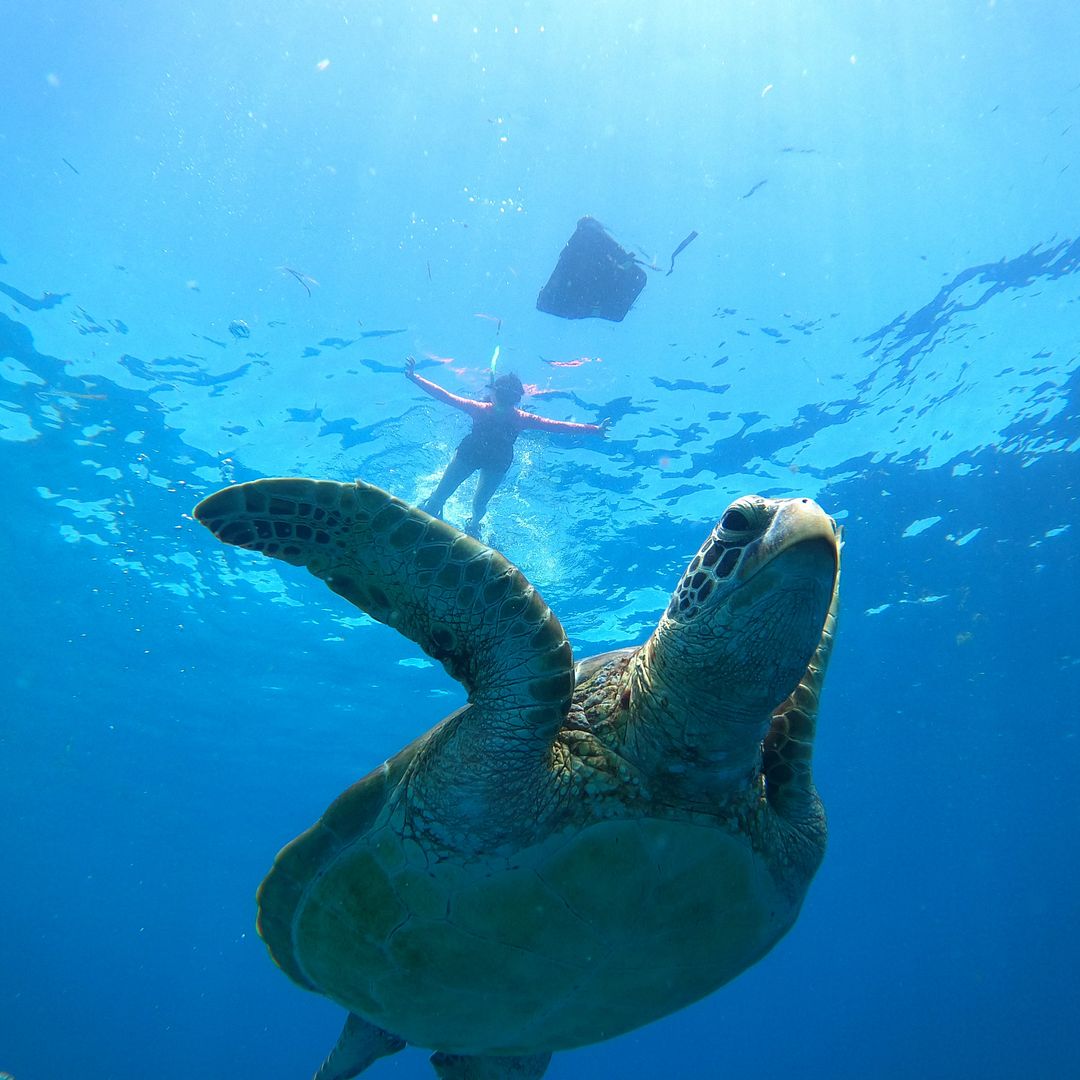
580, 849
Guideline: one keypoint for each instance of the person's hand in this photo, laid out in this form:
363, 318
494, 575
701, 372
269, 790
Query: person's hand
410, 366
605, 426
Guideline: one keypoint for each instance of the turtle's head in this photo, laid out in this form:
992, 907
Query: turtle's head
725, 691
750, 610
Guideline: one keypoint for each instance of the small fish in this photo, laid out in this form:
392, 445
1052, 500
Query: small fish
760, 183
304, 279
490, 318
81, 397
70, 166
691, 237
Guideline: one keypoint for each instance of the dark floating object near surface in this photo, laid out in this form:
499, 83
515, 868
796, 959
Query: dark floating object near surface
594, 278
239, 329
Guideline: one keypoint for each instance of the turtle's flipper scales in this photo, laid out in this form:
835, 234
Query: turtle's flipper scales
462, 602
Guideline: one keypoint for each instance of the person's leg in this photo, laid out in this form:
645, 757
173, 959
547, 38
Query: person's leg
485, 488
456, 473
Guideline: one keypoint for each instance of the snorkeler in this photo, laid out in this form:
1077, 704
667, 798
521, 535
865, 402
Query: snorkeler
489, 446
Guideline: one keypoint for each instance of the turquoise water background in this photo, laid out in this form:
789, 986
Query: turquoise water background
881, 311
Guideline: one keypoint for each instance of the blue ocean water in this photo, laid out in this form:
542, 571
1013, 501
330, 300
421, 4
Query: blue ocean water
880, 312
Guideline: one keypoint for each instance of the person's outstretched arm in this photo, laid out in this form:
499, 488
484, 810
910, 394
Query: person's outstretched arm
437, 392
564, 427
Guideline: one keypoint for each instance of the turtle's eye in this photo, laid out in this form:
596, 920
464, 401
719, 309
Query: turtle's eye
745, 515
734, 521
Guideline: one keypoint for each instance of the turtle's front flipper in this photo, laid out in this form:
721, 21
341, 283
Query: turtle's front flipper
358, 1046
464, 1067
462, 602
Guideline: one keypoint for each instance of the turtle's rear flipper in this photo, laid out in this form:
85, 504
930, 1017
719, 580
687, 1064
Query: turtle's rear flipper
466, 1067
359, 1045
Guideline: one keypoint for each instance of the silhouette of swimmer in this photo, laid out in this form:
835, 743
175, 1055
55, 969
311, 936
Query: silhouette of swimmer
489, 446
